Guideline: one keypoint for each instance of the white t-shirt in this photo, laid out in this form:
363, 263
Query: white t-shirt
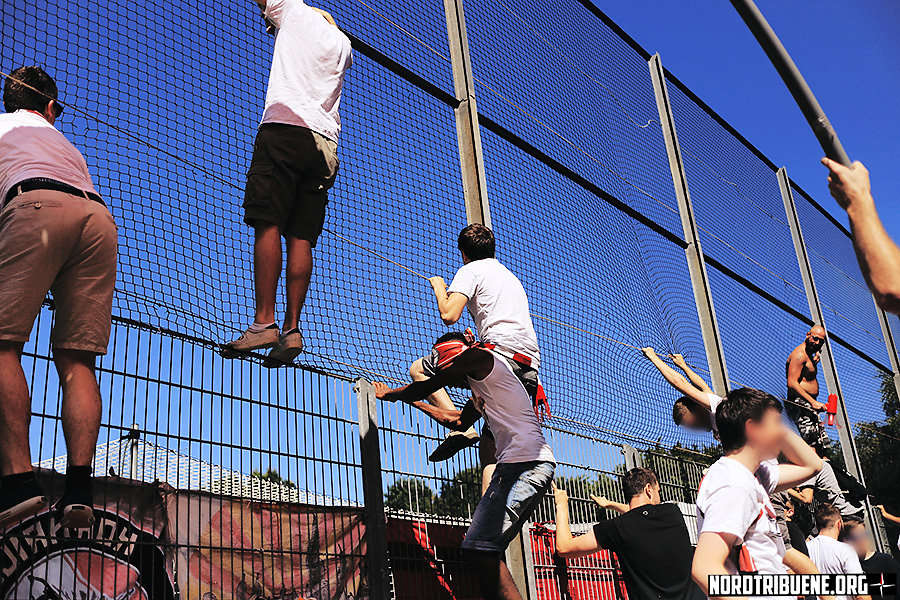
31, 147
498, 304
714, 401
311, 57
506, 407
833, 557
733, 500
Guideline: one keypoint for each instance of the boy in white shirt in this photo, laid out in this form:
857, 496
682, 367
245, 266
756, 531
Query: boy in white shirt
498, 304
830, 555
738, 530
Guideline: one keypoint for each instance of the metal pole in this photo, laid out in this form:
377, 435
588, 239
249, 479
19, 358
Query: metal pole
712, 340
845, 433
468, 133
888, 334
376, 522
793, 79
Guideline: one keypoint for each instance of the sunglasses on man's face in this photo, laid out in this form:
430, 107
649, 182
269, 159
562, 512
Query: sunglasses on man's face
57, 108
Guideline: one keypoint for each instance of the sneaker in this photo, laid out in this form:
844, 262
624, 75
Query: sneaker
22, 511
77, 516
251, 340
289, 345
453, 443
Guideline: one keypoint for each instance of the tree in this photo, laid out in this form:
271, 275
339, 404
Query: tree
273, 476
460, 495
410, 494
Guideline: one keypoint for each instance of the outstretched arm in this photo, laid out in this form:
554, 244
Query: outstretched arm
876, 252
803, 463
604, 502
676, 379
887, 515
710, 556
697, 381
805, 495
794, 374
451, 305
568, 546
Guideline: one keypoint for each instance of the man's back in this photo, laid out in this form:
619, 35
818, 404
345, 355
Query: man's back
833, 557
654, 549
498, 304
308, 66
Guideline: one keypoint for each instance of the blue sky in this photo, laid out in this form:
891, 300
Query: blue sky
847, 51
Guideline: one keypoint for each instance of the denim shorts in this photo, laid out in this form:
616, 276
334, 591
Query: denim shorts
515, 491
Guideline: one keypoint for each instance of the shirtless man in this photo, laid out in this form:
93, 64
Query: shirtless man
803, 388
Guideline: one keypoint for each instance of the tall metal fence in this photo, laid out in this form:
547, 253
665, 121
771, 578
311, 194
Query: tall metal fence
633, 214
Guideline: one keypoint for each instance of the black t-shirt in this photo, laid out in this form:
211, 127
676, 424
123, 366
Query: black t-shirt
881, 563
798, 540
654, 549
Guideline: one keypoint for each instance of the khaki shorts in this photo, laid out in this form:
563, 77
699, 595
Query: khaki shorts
56, 242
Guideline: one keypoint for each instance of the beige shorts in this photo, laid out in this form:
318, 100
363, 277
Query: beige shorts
64, 244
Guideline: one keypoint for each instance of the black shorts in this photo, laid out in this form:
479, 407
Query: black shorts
290, 174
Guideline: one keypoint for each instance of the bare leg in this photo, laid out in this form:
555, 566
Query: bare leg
493, 575
299, 273
15, 412
487, 454
440, 398
81, 404
266, 270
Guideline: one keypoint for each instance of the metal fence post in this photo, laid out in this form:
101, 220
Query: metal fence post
712, 340
373, 495
845, 433
888, 334
468, 134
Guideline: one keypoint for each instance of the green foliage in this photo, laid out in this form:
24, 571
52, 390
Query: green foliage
410, 494
460, 495
273, 476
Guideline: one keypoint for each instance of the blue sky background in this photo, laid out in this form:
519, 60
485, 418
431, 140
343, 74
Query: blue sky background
847, 51
172, 105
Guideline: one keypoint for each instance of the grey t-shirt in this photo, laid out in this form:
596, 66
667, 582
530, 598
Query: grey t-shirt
826, 489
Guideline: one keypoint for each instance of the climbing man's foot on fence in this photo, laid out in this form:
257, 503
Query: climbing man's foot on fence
289, 346
453, 443
253, 339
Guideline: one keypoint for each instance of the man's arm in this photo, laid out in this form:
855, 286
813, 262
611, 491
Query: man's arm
604, 502
710, 556
887, 515
804, 463
568, 546
697, 381
451, 306
676, 379
804, 495
876, 252
794, 373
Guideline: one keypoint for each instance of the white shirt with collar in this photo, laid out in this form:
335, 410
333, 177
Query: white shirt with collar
31, 147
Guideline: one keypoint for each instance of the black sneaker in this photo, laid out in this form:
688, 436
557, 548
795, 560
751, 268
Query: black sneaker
454, 443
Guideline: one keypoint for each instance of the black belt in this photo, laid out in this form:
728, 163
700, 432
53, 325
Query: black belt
43, 183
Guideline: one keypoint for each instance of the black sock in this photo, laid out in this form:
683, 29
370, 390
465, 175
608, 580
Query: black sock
79, 486
17, 488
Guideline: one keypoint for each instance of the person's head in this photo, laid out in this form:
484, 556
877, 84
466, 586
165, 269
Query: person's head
815, 339
476, 242
690, 415
640, 486
30, 88
828, 519
449, 346
751, 418
854, 533
325, 14
788, 509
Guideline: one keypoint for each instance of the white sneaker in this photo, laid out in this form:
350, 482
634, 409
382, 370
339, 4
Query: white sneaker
251, 340
454, 443
289, 346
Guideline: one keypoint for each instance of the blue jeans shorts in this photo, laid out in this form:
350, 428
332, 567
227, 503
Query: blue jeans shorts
515, 491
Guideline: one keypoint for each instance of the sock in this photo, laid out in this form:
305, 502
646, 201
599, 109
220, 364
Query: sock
294, 330
17, 488
257, 327
78, 486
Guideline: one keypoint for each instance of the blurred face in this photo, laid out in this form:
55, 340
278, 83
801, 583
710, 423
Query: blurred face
767, 436
858, 539
815, 339
696, 421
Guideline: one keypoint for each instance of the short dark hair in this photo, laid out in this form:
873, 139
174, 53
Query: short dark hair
826, 516
28, 88
635, 480
850, 523
477, 242
738, 407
